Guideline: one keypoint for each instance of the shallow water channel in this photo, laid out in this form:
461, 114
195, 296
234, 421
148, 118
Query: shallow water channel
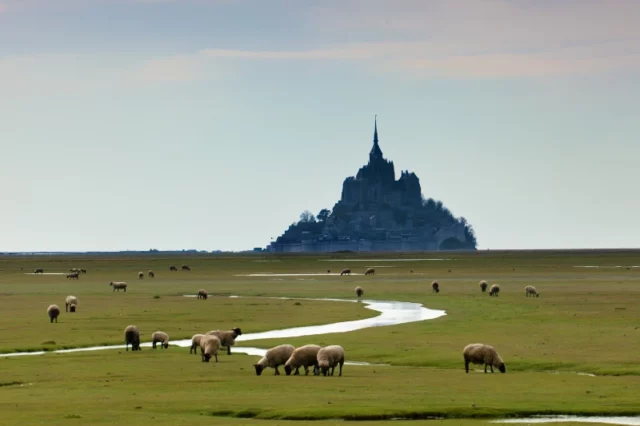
612, 420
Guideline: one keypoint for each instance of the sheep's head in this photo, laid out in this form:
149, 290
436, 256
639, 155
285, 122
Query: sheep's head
237, 331
258, 368
206, 357
111, 283
72, 308
502, 368
288, 369
325, 370
165, 345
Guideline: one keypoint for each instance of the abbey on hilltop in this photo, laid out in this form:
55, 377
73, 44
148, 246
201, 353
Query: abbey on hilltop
378, 213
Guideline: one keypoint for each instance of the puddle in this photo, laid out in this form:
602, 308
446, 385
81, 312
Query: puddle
612, 420
47, 273
382, 260
612, 267
391, 313
295, 275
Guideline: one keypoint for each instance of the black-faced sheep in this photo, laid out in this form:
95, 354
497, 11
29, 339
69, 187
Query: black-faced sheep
483, 286
70, 304
202, 294
209, 346
370, 271
132, 337
151, 274
53, 312
118, 285
346, 271
160, 337
531, 291
195, 343
304, 356
274, 358
185, 268
435, 287
38, 271
173, 268
359, 292
227, 337
140, 275
73, 275
329, 357
494, 290
478, 353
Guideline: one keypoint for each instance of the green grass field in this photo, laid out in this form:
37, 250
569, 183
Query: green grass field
586, 320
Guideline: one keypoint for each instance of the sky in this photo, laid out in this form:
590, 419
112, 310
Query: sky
212, 124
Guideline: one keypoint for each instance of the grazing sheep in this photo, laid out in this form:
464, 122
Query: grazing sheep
185, 268
370, 271
53, 311
329, 357
151, 274
478, 353
118, 285
227, 338
202, 294
70, 304
346, 272
140, 275
160, 336
494, 290
304, 356
132, 336
209, 346
195, 343
274, 358
435, 287
173, 268
483, 286
73, 275
84, 271
531, 291
359, 292
74, 270
39, 271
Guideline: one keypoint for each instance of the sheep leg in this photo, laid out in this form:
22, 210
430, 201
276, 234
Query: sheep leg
277, 372
297, 373
491, 367
333, 369
229, 350
466, 366
306, 370
485, 368
216, 355
341, 369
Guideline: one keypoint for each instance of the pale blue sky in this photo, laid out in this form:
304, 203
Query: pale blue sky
211, 124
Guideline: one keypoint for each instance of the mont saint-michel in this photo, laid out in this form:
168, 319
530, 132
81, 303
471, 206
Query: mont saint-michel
379, 213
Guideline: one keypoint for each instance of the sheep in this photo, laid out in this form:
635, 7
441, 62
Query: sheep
53, 311
329, 357
370, 271
117, 285
173, 268
73, 275
195, 343
132, 336
160, 336
359, 292
304, 356
151, 274
185, 268
274, 358
435, 286
479, 353
531, 291
70, 304
227, 338
346, 271
140, 275
494, 290
202, 294
84, 271
483, 286
38, 271
74, 270
209, 346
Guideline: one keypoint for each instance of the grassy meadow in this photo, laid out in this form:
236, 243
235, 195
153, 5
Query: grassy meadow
573, 350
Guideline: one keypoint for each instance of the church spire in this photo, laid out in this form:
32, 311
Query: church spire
376, 152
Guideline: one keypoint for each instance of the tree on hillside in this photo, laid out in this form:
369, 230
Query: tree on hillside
323, 215
307, 217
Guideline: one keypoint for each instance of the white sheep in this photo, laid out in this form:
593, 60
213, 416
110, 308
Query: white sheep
304, 356
202, 294
346, 271
70, 304
140, 275
132, 336
195, 343
227, 337
329, 357
274, 358
531, 291
118, 285
151, 274
160, 336
479, 353
53, 312
483, 286
209, 346
494, 290
370, 271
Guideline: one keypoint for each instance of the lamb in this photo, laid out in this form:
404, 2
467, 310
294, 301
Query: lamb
73, 275
39, 271
185, 268
483, 286
435, 286
304, 356
345, 272
359, 292
195, 343
274, 358
494, 290
478, 353
329, 357
118, 285
173, 268
227, 338
140, 275
70, 304
209, 346
370, 271
132, 336
160, 336
151, 274
531, 291
53, 311
202, 294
